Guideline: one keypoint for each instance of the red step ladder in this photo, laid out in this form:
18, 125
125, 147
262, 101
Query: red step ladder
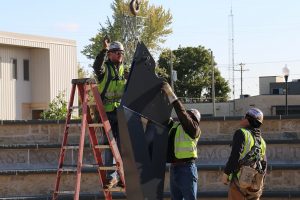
88, 91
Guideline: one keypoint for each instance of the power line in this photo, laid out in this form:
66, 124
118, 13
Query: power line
263, 62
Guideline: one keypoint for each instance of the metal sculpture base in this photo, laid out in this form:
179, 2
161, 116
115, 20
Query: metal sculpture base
144, 156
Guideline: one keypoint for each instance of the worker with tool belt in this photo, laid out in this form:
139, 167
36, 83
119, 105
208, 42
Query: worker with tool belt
246, 166
182, 149
111, 78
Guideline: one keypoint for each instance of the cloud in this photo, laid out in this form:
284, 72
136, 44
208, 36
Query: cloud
70, 27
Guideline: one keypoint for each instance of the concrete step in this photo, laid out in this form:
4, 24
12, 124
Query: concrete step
36, 156
286, 195
41, 181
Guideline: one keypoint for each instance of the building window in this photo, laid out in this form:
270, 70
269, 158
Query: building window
26, 70
36, 114
14, 69
275, 91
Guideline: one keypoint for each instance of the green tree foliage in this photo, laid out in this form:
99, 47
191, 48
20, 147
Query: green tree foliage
57, 108
157, 22
194, 73
82, 73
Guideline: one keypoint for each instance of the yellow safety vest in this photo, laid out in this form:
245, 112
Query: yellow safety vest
112, 87
249, 143
184, 145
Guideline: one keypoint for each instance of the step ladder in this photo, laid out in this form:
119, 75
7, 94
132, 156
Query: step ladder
89, 96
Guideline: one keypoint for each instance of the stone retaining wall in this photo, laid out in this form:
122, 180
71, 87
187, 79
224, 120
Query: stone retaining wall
35, 145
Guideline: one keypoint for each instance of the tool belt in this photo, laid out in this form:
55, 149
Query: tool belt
250, 178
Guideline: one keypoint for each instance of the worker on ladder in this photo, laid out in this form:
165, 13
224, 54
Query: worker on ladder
111, 74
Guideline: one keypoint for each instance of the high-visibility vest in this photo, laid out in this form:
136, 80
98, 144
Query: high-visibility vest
184, 145
112, 87
249, 143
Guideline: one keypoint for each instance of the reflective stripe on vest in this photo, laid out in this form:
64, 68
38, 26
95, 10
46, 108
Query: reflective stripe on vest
115, 89
249, 143
184, 145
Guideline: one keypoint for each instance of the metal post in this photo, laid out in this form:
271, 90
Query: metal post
171, 70
213, 84
286, 94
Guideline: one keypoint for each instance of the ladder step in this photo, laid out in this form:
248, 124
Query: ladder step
70, 147
74, 107
64, 192
68, 169
108, 168
73, 168
90, 165
102, 146
70, 125
115, 189
96, 125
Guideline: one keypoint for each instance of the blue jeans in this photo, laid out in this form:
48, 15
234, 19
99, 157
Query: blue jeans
109, 160
183, 181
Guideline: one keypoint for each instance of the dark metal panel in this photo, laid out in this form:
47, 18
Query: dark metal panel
143, 154
143, 90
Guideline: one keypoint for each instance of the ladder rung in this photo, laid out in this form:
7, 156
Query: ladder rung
92, 103
96, 125
69, 125
68, 169
74, 107
108, 168
90, 165
71, 147
64, 192
100, 146
115, 189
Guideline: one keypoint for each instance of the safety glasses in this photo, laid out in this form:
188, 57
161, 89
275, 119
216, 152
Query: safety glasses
119, 53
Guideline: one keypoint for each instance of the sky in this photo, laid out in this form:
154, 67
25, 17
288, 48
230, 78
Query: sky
266, 33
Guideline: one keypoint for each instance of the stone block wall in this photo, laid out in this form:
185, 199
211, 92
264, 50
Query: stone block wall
35, 145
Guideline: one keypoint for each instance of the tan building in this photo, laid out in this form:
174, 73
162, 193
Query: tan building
33, 71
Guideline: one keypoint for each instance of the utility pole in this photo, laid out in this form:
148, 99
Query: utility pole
231, 53
213, 84
241, 70
171, 70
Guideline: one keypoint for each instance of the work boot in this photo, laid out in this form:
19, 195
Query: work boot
110, 183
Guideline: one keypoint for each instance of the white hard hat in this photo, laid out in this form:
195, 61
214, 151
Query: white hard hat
116, 46
255, 114
195, 113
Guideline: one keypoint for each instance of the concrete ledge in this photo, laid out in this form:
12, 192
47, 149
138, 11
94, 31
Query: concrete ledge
200, 142
36, 121
200, 167
118, 195
204, 118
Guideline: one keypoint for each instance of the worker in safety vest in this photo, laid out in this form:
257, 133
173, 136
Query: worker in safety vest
111, 76
182, 149
246, 167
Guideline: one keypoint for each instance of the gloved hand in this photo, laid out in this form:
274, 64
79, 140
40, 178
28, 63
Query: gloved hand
225, 179
169, 92
105, 42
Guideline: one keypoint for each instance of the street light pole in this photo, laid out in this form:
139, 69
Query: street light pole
286, 72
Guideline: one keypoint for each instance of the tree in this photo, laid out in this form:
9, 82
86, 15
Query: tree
156, 28
81, 72
194, 73
57, 108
